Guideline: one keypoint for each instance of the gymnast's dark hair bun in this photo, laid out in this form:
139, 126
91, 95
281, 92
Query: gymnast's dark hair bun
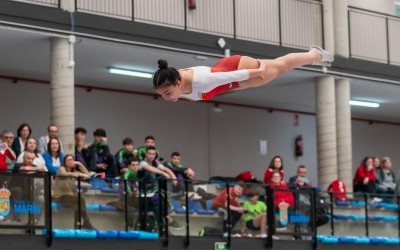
162, 64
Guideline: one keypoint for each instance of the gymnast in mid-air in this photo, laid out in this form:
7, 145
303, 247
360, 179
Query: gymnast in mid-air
230, 73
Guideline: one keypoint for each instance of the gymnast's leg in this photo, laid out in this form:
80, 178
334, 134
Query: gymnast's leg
281, 65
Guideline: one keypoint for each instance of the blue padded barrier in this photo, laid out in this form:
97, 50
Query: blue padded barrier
104, 207
375, 218
108, 234
85, 234
327, 239
55, 206
393, 241
362, 240
356, 217
147, 235
128, 234
92, 207
343, 203
377, 204
64, 233
390, 218
357, 240
378, 240
341, 217
358, 203
389, 206
347, 239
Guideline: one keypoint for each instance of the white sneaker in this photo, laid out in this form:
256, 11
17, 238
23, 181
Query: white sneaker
327, 57
261, 236
376, 200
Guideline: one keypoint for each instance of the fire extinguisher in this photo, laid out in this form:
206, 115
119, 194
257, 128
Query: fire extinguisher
298, 146
192, 4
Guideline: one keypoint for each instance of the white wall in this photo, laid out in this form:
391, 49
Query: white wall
213, 143
384, 6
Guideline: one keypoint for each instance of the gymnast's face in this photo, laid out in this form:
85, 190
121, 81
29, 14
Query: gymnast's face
170, 92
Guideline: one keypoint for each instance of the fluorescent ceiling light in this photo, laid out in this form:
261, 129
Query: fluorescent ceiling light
129, 72
364, 104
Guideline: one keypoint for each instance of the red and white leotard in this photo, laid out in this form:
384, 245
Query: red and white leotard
210, 81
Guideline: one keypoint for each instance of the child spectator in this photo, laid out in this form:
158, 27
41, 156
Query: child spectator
100, 158
181, 173
123, 155
236, 211
255, 214
338, 190
149, 141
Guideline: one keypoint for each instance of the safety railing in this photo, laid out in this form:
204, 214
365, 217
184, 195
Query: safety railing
130, 209
25, 203
151, 208
363, 215
292, 23
51, 3
374, 36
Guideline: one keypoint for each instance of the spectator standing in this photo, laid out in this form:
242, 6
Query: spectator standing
276, 165
52, 132
23, 133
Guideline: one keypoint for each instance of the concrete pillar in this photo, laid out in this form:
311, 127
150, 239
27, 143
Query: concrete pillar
326, 130
67, 5
344, 139
62, 90
341, 27
329, 33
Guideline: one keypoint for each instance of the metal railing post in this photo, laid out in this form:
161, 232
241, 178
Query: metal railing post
166, 240
186, 244
228, 200
332, 214
79, 204
269, 194
49, 216
313, 218
366, 215
126, 204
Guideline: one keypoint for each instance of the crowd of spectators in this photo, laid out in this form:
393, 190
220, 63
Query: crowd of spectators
23, 153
